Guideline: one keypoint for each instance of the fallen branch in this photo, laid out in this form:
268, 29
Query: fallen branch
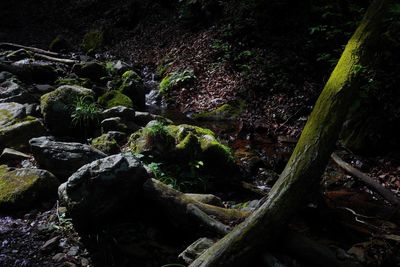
369, 181
32, 49
56, 59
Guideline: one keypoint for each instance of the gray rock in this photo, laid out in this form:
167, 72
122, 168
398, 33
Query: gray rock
103, 188
4, 75
62, 158
118, 124
43, 88
92, 70
22, 188
10, 113
10, 154
119, 111
143, 118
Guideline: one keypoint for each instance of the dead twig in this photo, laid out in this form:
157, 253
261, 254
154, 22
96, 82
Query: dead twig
369, 181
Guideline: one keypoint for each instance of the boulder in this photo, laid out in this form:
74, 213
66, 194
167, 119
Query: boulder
22, 188
62, 158
132, 86
103, 188
118, 124
57, 108
182, 144
16, 129
34, 71
92, 70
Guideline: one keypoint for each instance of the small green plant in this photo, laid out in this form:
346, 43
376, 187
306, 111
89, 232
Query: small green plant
86, 112
176, 78
160, 175
359, 69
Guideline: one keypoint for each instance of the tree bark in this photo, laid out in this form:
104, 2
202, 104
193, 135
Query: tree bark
301, 176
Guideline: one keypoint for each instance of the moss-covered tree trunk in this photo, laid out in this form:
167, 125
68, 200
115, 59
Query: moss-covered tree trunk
301, 177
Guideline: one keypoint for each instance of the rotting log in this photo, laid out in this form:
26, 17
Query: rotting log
302, 174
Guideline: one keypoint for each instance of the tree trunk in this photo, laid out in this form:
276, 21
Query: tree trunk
301, 176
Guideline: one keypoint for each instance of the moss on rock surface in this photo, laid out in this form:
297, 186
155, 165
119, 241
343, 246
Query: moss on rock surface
16, 129
181, 143
57, 108
132, 86
105, 143
228, 111
92, 41
115, 98
22, 188
17, 136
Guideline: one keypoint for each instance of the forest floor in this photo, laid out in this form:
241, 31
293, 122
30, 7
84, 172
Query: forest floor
270, 116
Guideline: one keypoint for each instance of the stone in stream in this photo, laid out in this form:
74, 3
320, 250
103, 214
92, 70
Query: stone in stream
119, 111
21, 189
16, 129
62, 158
103, 188
57, 108
12, 91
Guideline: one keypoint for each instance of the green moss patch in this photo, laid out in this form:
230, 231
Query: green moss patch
115, 98
22, 188
92, 41
228, 111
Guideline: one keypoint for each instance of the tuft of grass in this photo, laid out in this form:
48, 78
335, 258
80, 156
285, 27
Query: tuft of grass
86, 112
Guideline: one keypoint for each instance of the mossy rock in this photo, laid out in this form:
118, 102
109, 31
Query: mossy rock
228, 111
132, 86
92, 41
17, 135
57, 108
176, 79
154, 141
115, 98
182, 143
105, 143
10, 113
22, 188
